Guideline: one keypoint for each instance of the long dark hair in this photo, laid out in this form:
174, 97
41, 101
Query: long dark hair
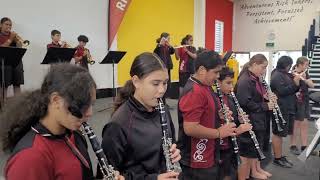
142, 65
73, 83
186, 39
256, 59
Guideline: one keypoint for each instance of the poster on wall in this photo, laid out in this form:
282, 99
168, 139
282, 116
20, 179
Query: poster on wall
284, 24
117, 10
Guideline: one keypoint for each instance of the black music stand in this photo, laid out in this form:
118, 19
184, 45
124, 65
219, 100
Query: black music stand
9, 56
113, 57
58, 55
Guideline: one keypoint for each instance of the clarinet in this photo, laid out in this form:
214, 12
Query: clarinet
251, 132
276, 110
106, 169
233, 138
166, 140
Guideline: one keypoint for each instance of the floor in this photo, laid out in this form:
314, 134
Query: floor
307, 171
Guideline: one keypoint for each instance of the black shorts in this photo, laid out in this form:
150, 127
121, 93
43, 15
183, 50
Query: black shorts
287, 128
303, 111
183, 78
13, 75
246, 146
226, 164
189, 173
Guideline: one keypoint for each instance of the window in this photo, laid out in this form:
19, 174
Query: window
218, 36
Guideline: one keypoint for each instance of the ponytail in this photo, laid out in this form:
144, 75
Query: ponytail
124, 93
244, 69
19, 115
158, 40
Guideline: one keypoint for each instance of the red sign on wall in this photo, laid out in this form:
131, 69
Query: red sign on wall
117, 10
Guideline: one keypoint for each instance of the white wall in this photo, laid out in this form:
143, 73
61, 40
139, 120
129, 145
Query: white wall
199, 23
290, 35
34, 20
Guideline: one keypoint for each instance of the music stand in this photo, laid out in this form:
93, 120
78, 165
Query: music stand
9, 56
113, 57
58, 55
314, 143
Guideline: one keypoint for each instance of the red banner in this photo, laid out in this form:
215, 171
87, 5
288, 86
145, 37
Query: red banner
117, 9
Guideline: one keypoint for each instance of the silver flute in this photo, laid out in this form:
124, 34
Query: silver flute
106, 169
227, 120
251, 132
166, 140
276, 110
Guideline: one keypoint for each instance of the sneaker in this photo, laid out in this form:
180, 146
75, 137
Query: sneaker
294, 150
279, 162
283, 158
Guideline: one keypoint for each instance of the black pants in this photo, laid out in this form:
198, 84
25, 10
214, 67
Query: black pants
189, 173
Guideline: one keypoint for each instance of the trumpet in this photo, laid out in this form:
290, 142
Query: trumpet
64, 44
89, 57
24, 43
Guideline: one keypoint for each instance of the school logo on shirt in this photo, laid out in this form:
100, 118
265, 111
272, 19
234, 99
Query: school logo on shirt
201, 147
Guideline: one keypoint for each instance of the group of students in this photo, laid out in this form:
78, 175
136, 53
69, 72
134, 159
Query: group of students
185, 54
15, 75
44, 128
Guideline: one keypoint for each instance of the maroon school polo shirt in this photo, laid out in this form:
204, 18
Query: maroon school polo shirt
197, 104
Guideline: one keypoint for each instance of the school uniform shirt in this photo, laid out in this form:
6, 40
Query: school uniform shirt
40, 155
250, 94
53, 45
4, 38
165, 52
186, 64
303, 93
198, 104
132, 141
80, 53
284, 87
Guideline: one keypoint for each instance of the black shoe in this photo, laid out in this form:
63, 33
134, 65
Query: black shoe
279, 162
294, 150
283, 158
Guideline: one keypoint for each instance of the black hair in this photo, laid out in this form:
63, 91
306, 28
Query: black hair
163, 35
4, 19
208, 59
186, 39
142, 65
226, 72
83, 38
54, 32
284, 62
73, 83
